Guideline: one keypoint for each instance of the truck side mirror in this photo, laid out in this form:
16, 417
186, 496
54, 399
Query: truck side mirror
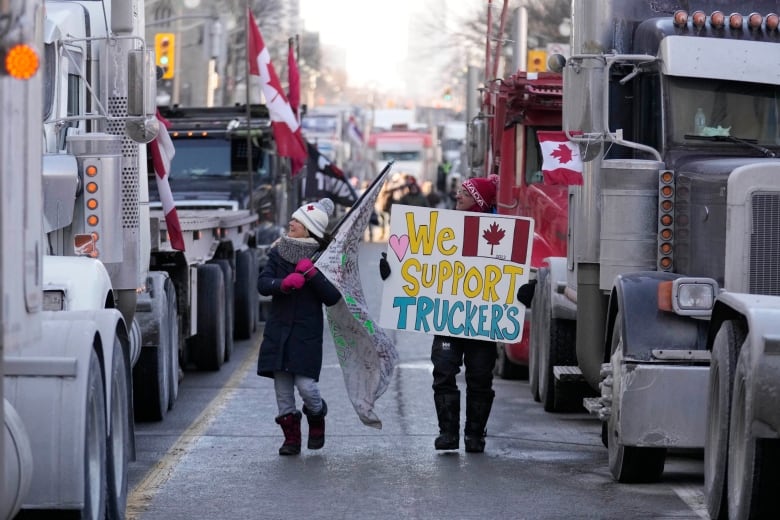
142, 125
477, 142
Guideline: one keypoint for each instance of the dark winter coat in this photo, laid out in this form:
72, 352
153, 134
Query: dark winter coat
292, 340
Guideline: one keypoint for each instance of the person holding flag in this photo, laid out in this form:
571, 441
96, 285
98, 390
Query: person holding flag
291, 351
448, 353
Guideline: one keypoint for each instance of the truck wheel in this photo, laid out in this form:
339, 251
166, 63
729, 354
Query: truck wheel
555, 347
95, 444
724, 361
209, 342
538, 305
753, 464
150, 380
174, 323
245, 284
628, 464
227, 273
254, 296
119, 441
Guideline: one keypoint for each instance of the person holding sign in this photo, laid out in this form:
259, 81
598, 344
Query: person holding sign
449, 353
291, 351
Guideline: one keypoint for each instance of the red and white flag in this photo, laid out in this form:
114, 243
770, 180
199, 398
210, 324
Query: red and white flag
286, 128
502, 238
561, 162
162, 153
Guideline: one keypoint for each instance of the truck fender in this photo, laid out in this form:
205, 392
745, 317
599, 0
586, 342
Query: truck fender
110, 324
47, 384
84, 281
561, 306
645, 328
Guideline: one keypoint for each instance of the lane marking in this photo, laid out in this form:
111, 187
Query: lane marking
140, 498
694, 497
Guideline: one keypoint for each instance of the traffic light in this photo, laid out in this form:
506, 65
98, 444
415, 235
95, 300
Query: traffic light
537, 61
164, 47
447, 94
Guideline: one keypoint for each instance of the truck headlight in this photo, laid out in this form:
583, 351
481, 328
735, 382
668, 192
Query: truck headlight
694, 296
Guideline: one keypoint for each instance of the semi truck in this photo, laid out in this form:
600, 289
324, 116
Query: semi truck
66, 387
670, 278
106, 259
505, 138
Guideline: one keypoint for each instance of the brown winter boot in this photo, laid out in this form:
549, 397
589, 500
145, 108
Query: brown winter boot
291, 426
448, 413
316, 426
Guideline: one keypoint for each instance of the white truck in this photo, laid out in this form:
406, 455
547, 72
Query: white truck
67, 436
125, 307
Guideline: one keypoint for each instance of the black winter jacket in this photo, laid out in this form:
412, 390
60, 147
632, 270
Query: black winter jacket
292, 340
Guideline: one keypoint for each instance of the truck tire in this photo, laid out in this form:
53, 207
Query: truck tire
753, 463
227, 273
118, 448
174, 342
628, 464
246, 283
722, 366
537, 308
556, 340
95, 485
150, 382
209, 342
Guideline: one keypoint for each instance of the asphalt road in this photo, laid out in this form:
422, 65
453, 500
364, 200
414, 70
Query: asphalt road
215, 454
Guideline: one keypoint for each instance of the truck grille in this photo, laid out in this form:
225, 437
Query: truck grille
764, 276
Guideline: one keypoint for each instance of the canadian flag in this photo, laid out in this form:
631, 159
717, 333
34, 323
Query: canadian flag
162, 154
287, 130
502, 238
561, 162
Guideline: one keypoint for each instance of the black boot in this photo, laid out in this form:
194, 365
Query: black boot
291, 426
477, 413
316, 426
448, 413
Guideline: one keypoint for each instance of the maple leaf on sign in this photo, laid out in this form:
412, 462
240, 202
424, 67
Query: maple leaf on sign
493, 235
562, 153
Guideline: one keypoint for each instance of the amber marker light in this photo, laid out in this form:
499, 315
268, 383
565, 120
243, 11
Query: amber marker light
772, 21
698, 19
92, 187
666, 205
666, 263
666, 234
666, 191
717, 19
92, 170
666, 177
680, 18
754, 21
21, 61
92, 204
665, 295
666, 220
735, 21
92, 220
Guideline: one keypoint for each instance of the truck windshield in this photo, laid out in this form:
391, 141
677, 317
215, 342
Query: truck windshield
401, 156
200, 158
319, 124
706, 107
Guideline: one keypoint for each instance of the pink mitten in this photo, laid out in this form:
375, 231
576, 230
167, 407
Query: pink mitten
293, 281
306, 268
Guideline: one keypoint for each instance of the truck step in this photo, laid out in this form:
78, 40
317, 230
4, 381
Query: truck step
568, 374
592, 404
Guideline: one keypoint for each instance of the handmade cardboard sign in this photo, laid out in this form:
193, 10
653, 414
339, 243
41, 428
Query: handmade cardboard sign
456, 273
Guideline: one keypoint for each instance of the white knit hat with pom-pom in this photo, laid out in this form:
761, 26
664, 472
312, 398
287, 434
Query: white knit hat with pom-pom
315, 216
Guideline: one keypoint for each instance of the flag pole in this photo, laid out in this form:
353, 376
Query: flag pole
249, 118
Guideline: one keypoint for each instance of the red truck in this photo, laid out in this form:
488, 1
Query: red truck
517, 108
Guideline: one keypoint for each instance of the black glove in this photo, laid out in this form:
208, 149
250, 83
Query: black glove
384, 267
526, 293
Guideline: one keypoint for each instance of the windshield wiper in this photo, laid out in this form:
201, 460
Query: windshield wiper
752, 143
